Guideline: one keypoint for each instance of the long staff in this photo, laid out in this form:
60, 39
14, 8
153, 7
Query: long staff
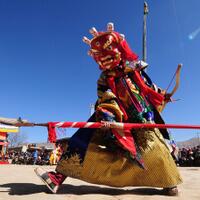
144, 45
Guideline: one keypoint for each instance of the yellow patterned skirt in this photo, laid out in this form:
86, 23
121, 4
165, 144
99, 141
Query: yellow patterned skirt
101, 166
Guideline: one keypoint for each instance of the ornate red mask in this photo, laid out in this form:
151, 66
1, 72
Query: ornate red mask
109, 49
105, 50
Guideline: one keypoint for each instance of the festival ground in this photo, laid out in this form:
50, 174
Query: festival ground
20, 182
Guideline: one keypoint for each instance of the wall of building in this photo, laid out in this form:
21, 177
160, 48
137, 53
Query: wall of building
3, 144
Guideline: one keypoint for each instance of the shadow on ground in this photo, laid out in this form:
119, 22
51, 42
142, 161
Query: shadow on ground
30, 188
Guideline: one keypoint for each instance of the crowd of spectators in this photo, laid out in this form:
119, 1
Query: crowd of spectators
35, 156
187, 156
29, 158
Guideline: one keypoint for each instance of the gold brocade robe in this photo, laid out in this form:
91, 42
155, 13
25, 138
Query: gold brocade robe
103, 166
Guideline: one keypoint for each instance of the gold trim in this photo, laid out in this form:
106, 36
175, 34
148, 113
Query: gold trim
8, 130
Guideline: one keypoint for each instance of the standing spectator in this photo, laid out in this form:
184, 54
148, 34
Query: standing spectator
190, 157
51, 159
35, 156
58, 152
197, 156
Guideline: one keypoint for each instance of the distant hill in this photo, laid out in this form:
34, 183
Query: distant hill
189, 143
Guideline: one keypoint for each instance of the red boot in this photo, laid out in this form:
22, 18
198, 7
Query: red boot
51, 179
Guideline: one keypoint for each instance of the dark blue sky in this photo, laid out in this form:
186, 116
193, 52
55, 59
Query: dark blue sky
46, 74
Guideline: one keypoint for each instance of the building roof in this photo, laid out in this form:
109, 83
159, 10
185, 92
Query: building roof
8, 129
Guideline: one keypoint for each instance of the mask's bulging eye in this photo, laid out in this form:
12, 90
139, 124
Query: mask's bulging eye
109, 47
97, 44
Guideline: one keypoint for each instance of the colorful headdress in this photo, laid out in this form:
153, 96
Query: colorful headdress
109, 48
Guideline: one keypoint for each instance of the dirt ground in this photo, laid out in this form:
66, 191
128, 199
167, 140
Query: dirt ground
20, 182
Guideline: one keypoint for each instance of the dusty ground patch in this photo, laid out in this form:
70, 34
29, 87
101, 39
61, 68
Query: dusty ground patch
20, 182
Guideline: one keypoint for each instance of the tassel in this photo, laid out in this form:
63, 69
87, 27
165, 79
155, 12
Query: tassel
51, 132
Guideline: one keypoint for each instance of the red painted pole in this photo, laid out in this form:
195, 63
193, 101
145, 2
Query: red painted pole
119, 125
173, 126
